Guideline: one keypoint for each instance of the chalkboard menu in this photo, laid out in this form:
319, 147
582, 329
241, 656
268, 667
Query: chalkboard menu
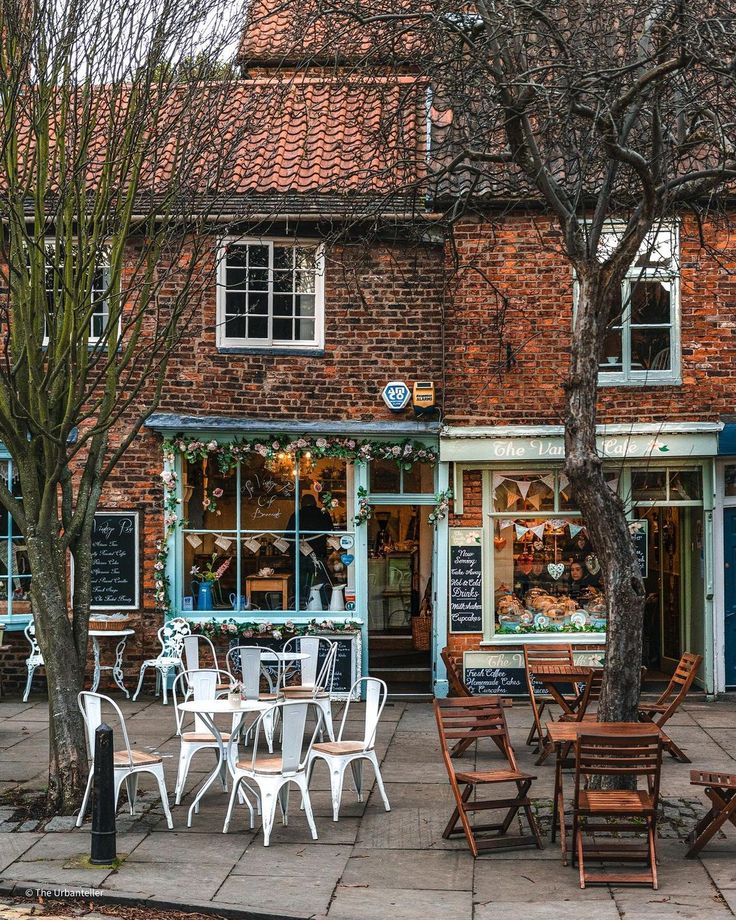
640, 539
503, 673
115, 560
466, 589
345, 664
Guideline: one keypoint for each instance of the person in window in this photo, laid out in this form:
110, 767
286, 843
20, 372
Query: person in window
580, 579
313, 522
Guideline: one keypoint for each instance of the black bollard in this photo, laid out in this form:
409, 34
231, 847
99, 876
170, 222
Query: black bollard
103, 850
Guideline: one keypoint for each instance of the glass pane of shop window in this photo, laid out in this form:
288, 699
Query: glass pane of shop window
685, 485
419, 478
524, 491
649, 485
730, 480
385, 477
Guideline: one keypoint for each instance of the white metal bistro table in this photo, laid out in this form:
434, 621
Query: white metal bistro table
117, 667
270, 660
207, 710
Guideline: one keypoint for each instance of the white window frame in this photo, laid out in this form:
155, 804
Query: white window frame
92, 340
629, 376
224, 341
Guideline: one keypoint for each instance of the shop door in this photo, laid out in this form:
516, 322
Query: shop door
729, 558
400, 563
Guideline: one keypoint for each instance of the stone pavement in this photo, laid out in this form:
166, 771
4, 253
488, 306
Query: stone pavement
370, 864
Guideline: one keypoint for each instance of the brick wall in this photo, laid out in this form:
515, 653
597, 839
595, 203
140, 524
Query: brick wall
514, 286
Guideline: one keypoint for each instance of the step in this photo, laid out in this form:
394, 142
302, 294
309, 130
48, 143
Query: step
381, 641
400, 659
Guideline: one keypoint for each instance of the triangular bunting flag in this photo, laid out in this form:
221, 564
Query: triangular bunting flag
523, 485
520, 531
538, 531
575, 530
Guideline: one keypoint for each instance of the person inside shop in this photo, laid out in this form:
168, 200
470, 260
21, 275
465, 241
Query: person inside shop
313, 524
581, 579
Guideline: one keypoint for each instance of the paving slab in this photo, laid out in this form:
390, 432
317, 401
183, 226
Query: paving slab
361, 903
450, 871
603, 909
293, 896
177, 880
293, 860
13, 846
529, 881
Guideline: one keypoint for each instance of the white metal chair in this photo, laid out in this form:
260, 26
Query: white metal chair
199, 684
317, 675
340, 754
34, 660
128, 764
171, 636
272, 776
193, 647
244, 662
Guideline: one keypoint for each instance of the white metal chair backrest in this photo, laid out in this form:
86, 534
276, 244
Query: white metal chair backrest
200, 684
171, 636
192, 657
293, 713
313, 672
90, 705
245, 660
30, 634
376, 692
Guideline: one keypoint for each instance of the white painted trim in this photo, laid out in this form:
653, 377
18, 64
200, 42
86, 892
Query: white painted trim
551, 431
441, 588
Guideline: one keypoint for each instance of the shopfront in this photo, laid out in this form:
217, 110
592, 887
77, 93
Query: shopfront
539, 577
269, 532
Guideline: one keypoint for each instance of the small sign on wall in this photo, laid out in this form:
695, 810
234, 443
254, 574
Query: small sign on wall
115, 561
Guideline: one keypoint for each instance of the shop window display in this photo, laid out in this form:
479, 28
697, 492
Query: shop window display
266, 535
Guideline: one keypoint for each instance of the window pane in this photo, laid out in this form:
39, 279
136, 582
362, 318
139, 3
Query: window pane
304, 330
523, 491
258, 256
258, 327
267, 493
546, 573
385, 477
730, 480
326, 480
283, 257
650, 349
685, 485
258, 279
283, 329
283, 305
267, 567
304, 282
235, 327
650, 302
419, 478
283, 281
304, 304
611, 360
236, 257
649, 485
258, 304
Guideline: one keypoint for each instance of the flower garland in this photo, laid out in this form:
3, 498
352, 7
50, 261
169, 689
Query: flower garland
570, 628
228, 453
441, 507
232, 629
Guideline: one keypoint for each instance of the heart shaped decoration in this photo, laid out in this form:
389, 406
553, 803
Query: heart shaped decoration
347, 558
525, 563
592, 564
556, 570
499, 542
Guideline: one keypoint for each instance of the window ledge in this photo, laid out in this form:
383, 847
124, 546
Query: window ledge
278, 352
523, 638
609, 380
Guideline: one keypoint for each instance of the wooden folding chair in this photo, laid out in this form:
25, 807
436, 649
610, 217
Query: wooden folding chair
458, 687
670, 701
542, 654
470, 720
611, 812
721, 790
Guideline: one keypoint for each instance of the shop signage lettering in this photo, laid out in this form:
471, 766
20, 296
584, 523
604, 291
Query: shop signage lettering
614, 446
466, 589
503, 672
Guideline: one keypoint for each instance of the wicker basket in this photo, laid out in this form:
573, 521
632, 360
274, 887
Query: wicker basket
421, 631
109, 625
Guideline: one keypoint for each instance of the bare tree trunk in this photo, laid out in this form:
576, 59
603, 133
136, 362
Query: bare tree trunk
603, 512
64, 659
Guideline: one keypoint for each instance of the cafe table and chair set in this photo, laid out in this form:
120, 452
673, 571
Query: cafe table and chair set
608, 829
277, 706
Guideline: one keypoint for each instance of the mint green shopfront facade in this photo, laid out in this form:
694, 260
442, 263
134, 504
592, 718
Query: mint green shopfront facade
236, 494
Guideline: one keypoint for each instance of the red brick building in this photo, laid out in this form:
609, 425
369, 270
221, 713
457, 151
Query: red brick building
275, 439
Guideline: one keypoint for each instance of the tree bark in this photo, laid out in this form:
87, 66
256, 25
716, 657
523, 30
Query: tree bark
603, 512
64, 657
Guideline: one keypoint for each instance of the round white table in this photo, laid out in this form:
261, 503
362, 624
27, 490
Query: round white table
271, 660
207, 710
117, 667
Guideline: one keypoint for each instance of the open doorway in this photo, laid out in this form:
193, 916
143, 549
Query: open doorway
674, 618
400, 556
